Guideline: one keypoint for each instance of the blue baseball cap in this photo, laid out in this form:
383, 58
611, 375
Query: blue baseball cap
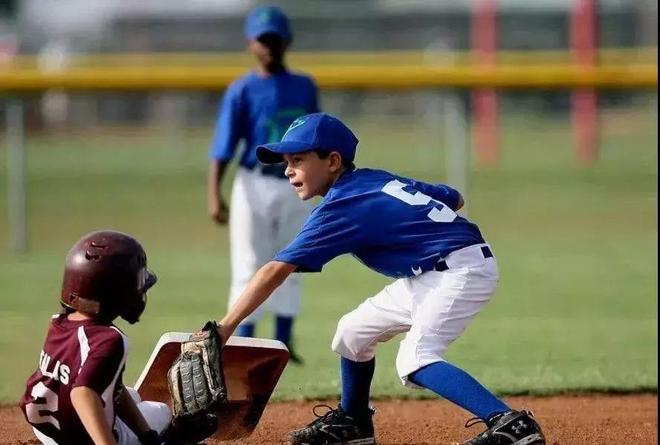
267, 19
317, 131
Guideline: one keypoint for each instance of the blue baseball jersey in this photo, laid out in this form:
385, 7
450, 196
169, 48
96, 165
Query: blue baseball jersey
396, 226
258, 110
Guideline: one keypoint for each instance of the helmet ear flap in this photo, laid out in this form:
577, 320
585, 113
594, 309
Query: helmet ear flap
89, 306
85, 305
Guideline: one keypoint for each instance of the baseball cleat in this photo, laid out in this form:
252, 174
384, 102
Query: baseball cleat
293, 356
508, 428
335, 427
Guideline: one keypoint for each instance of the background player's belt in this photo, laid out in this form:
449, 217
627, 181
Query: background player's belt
276, 170
441, 265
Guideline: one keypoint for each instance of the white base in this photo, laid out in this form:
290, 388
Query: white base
180, 337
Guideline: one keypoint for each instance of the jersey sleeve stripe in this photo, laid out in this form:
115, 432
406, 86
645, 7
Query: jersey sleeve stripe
84, 346
107, 395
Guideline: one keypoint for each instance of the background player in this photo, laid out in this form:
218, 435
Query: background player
408, 230
76, 396
265, 213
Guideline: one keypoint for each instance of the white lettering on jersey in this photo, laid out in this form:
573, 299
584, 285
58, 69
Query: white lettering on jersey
59, 372
440, 212
64, 374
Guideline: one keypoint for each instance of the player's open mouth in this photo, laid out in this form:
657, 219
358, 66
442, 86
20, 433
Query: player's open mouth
297, 185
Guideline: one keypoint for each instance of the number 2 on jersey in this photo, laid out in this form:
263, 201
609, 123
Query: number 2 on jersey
45, 401
439, 213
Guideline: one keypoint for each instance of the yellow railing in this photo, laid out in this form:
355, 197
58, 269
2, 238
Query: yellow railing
618, 56
373, 70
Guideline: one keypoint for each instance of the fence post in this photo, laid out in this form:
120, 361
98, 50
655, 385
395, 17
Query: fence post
16, 176
458, 148
584, 101
485, 119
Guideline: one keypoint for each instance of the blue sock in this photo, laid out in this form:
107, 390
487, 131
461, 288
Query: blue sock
245, 330
459, 387
283, 329
355, 386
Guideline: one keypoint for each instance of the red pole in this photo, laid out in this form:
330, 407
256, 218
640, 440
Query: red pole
584, 102
484, 101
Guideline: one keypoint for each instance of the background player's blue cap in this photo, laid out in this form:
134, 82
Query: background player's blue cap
318, 131
267, 19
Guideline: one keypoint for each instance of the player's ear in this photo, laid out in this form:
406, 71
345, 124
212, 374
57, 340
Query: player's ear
335, 161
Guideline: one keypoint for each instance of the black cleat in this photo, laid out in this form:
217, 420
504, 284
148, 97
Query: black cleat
335, 428
293, 356
508, 428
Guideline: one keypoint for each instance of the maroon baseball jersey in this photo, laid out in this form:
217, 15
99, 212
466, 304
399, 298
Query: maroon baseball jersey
75, 353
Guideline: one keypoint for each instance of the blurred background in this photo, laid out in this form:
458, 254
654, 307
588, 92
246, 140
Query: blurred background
109, 108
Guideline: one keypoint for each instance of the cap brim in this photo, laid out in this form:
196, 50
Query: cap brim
273, 153
256, 33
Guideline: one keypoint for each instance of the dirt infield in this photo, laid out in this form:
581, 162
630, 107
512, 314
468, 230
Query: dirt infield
579, 419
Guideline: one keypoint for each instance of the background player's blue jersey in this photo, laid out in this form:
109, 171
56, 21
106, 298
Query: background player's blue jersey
396, 226
259, 110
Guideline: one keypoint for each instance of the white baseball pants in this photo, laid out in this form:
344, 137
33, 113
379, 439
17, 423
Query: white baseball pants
433, 309
157, 415
265, 215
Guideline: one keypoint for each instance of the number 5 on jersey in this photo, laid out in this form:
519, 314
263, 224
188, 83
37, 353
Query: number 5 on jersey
439, 213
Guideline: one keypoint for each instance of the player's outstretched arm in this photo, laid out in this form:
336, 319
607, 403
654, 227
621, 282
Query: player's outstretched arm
258, 289
89, 407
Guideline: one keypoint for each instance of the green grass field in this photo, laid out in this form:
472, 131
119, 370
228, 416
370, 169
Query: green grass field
575, 311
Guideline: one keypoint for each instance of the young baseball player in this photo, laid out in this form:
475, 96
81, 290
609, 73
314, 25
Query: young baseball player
76, 395
444, 273
265, 213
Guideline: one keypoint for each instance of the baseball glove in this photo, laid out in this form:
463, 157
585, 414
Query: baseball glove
197, 385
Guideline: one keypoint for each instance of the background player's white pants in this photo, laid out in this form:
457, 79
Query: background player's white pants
265, 215
157, 415
434, 309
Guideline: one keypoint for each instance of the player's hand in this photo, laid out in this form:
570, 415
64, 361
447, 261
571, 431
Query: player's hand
218, 211
149, 437
223, 332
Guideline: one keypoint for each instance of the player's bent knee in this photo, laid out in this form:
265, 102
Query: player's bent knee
157, 415
348, 341
418, 350
134, 394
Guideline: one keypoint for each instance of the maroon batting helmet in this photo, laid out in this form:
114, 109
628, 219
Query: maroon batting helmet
106, 275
